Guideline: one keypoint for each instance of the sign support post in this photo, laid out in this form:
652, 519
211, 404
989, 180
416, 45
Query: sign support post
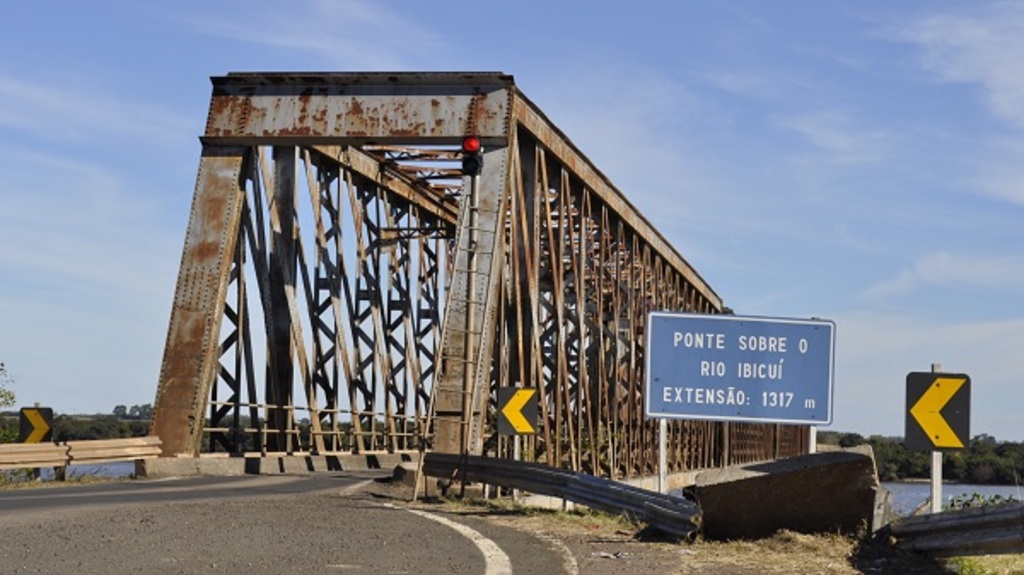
517, 416
662, 455
936, 466
937, 418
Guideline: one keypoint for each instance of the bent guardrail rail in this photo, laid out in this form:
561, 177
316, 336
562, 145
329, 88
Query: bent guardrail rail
986, 530
35, 455
671, 515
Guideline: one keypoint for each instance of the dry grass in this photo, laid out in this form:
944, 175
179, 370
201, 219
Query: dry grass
786, 552
593, 535
989, 565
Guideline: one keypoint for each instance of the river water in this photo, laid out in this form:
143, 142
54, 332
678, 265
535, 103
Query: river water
908, 496
114, 469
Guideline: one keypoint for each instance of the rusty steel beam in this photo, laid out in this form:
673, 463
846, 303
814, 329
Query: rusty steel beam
358, 108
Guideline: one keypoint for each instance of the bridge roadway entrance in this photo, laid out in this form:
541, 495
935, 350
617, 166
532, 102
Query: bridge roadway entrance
298, 524
346, 287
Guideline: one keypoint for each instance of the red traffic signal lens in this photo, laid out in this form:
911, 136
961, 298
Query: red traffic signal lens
471, 145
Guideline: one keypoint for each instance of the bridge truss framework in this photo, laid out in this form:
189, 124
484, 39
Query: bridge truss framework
341, 280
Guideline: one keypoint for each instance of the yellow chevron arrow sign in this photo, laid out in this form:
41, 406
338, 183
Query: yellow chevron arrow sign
927, 411
518, 409
35, 424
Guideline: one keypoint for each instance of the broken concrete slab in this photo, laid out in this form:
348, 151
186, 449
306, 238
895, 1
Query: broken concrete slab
835, 491
405, 473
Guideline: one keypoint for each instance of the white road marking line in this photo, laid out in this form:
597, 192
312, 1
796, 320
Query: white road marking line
495, 560
568, 559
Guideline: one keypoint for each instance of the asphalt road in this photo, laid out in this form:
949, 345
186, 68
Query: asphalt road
319, 523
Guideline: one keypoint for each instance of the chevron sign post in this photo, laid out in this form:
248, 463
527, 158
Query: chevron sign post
938, 418
938, 411
517, 411
35, 425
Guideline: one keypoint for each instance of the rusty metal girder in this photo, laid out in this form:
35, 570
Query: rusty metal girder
358, 108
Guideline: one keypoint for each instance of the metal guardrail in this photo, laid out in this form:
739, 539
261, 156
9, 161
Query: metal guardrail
672, 515
104, 450
31, 455
991, 529
35, 455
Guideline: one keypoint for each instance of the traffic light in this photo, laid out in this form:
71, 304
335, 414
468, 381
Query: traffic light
472, 156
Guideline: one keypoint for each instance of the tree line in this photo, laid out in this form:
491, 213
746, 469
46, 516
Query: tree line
984, 460
74, 427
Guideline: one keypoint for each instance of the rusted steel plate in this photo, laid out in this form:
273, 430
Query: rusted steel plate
191, 353
358, 108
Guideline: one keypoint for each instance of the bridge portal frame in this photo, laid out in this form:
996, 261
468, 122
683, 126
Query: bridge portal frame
548, 272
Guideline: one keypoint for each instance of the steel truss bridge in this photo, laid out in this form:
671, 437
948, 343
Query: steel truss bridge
342, 280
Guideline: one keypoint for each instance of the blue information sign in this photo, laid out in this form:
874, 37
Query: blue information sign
727, 367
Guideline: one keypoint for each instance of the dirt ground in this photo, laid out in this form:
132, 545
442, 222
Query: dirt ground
600, 544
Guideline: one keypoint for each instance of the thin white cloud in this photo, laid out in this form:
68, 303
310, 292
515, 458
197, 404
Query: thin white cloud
875, 352
632, 123
1003, 178
75, 112
351, 34
839, 136
1005, 272
88, 256
82, 226
753, 84
982, 46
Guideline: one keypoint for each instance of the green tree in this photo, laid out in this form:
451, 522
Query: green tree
144, 411
67, 427
851, 440
6, 395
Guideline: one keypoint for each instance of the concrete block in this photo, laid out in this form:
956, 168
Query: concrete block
222, 466
163, 467
819, 493
390, 460
353, 462
295, 465
405, 473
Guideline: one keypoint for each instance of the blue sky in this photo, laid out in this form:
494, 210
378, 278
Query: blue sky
857, 161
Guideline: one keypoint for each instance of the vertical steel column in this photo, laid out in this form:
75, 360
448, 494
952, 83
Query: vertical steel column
280, 345
192, 351
463, 389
